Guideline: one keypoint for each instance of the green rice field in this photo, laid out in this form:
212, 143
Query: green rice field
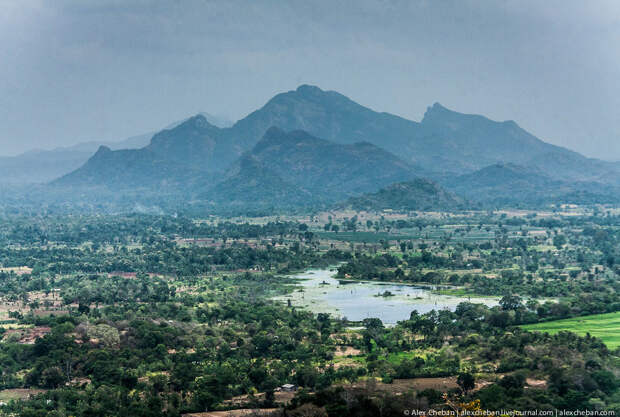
604, 326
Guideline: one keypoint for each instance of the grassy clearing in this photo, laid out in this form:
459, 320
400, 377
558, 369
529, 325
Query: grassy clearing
455, 292
465, 293
604, 326
9, 326
544, 248
18, 393
398, 357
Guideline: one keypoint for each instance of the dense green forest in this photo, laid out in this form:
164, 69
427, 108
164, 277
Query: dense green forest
153, 315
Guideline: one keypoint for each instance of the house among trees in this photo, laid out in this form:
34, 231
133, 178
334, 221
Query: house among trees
288, 388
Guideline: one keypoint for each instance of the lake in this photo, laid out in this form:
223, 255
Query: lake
320, 292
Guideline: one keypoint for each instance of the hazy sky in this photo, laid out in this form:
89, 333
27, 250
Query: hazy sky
80, 70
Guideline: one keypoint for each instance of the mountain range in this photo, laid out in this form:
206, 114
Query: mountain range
41, 166
307, 170
507, 183
312, 146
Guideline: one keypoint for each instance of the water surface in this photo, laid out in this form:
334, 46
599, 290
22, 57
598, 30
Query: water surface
320, 292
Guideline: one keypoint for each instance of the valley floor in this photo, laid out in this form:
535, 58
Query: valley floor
148, 315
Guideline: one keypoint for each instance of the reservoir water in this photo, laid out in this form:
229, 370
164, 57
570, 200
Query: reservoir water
320, 292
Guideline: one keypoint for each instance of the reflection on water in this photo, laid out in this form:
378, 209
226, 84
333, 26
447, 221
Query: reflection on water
320, 292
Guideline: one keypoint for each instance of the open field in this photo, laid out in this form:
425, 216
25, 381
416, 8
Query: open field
236, 413
401, 386
604, 326
18, 393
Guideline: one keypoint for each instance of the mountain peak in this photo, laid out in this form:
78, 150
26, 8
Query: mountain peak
438, 112
198, 120
195, 128
102, 150
308, 89
435, 110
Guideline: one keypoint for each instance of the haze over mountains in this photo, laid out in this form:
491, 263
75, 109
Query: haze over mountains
308, 145
40, 166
